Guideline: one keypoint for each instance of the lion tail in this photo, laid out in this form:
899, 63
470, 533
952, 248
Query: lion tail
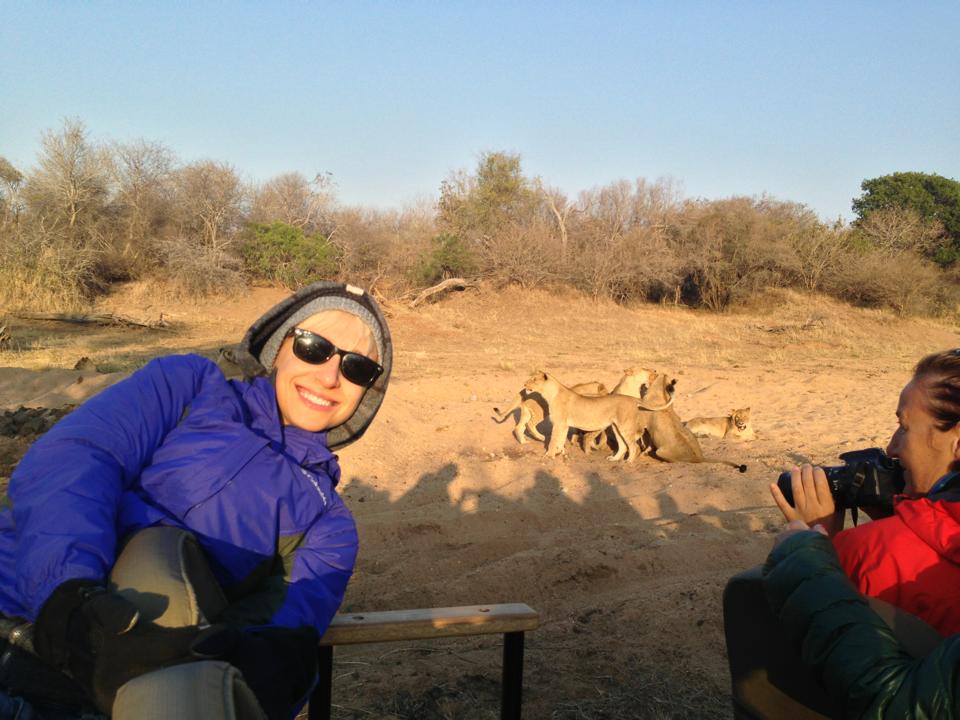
502, 415
739, 466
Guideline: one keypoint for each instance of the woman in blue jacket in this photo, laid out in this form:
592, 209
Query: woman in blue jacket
231, 481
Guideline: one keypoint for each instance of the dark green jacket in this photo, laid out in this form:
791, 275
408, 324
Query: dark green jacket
852, 651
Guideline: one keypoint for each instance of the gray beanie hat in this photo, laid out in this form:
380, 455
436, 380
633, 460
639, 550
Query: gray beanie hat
328, 302
258, 350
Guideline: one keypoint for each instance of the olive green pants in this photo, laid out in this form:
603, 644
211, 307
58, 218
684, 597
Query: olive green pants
165, 574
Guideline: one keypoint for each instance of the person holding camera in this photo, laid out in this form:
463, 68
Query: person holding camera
911, 558
175, 546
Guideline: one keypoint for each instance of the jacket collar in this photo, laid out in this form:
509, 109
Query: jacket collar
946, 488
307, 448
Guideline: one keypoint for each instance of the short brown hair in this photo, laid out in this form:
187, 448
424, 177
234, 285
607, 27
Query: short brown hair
939, 374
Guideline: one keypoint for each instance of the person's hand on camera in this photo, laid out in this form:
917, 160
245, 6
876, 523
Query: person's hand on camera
813, 501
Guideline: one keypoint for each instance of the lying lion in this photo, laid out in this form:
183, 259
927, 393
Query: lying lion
568, 410
532, 409
735, 426
669, 439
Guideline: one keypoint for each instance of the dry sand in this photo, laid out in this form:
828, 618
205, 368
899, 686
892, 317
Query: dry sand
626, 563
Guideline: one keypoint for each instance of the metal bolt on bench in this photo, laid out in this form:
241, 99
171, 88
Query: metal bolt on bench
511, 619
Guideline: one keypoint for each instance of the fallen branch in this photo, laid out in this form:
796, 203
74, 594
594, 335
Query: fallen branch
94, 319
458, 284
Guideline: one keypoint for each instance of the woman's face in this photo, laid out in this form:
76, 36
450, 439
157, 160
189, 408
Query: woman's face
925, 452
318, 397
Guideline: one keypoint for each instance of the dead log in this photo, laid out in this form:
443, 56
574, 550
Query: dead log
94, 319
458, 284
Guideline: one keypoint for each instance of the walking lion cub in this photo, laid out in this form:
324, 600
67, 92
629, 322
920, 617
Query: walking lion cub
532, 410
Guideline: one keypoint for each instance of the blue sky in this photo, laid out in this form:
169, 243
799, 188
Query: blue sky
799, 100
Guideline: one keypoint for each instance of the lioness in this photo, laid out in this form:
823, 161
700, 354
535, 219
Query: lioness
735, 426
531, 407
568, 409
670, 440
634, 378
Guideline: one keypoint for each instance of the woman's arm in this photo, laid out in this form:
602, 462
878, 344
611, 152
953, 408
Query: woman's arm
853, 652
315, 573
66, 490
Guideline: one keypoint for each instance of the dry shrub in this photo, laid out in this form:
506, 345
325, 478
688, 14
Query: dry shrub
382, 246
636, 266
192, 271
363, 238
817, 250
40, 273
901, 281
523, 252
731, 248
949, 292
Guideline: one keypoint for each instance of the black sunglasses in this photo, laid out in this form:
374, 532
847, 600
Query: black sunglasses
316, 350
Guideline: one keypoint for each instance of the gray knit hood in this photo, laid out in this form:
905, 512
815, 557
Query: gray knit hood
255, 354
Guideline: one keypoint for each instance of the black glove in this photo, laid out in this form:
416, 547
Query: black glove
278, 664
56, 630
95, 636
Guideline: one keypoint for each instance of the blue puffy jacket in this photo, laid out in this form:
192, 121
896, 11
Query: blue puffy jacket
178, 444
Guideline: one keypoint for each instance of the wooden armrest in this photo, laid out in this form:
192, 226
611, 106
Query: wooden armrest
426, 623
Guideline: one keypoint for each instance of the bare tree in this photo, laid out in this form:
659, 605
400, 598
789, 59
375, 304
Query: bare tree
819, 250
11, 181
615, 209
364, 240
143, 178
561, 208
292, 199
210, 196
901, 229
69, 186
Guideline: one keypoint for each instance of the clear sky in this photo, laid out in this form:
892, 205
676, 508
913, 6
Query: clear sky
799, 100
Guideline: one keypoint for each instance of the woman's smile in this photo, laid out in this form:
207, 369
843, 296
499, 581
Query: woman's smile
313, 400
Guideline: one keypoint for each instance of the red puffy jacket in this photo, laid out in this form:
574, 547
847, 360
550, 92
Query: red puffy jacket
911, 560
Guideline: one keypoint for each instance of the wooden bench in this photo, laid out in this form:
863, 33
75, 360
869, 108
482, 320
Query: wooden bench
511, 619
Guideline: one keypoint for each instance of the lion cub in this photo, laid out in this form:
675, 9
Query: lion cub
568, 410
735, 426
631, 383
532, 409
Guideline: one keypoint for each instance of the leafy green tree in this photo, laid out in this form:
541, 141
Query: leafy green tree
447, 257
281, 253
934, 197
477, 207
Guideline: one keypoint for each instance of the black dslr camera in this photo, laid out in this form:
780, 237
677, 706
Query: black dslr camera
868, 478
